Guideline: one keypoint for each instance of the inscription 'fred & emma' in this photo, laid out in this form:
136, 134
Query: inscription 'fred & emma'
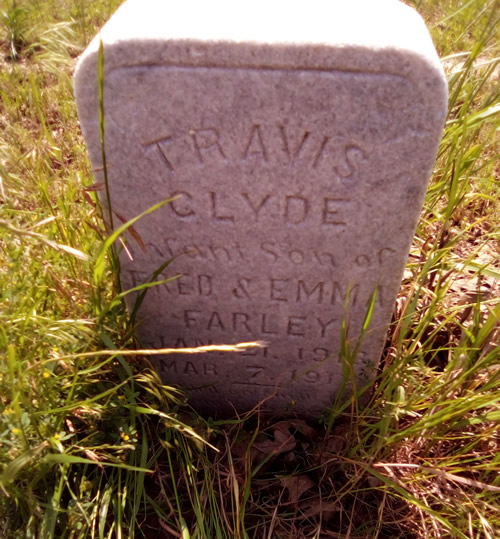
313, 291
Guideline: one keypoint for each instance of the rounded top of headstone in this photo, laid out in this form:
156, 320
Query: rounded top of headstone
277, 33
264, 21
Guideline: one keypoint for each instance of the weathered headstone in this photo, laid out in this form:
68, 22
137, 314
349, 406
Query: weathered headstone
298, 139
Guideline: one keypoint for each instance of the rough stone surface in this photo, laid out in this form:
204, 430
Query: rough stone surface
298, 139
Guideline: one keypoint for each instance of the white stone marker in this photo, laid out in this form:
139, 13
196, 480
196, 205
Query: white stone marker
299, 138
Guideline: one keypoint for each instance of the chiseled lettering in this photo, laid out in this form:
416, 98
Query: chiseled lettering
241, 320
202, 342
320, 257
205, 285
255, 146
303, 290
210, 368
241, 289
278, 286
296, 209
215, 322
292, 155
267, 246
184, 284
138, 277
312, 377
296, 256
193, 251
295, 326
256, 207
353, 156
362, 261
190, 368
157, 250
266, 328
383, 252
320, 151
250, 352
160, 146
191, 317
331, 208
215, 210
217, 249
171, 246
254, 370
338, 296
379, 295
320, 354
180, 206
206, 139
168, 365
237, 247
167, 286
324, 325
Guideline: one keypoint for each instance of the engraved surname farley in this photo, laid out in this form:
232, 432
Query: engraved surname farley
265, 324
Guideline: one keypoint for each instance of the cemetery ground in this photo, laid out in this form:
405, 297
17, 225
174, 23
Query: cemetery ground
92, 444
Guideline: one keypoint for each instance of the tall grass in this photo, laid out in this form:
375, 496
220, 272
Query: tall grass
93, 444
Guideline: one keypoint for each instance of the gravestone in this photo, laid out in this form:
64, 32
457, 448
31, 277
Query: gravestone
297, 140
